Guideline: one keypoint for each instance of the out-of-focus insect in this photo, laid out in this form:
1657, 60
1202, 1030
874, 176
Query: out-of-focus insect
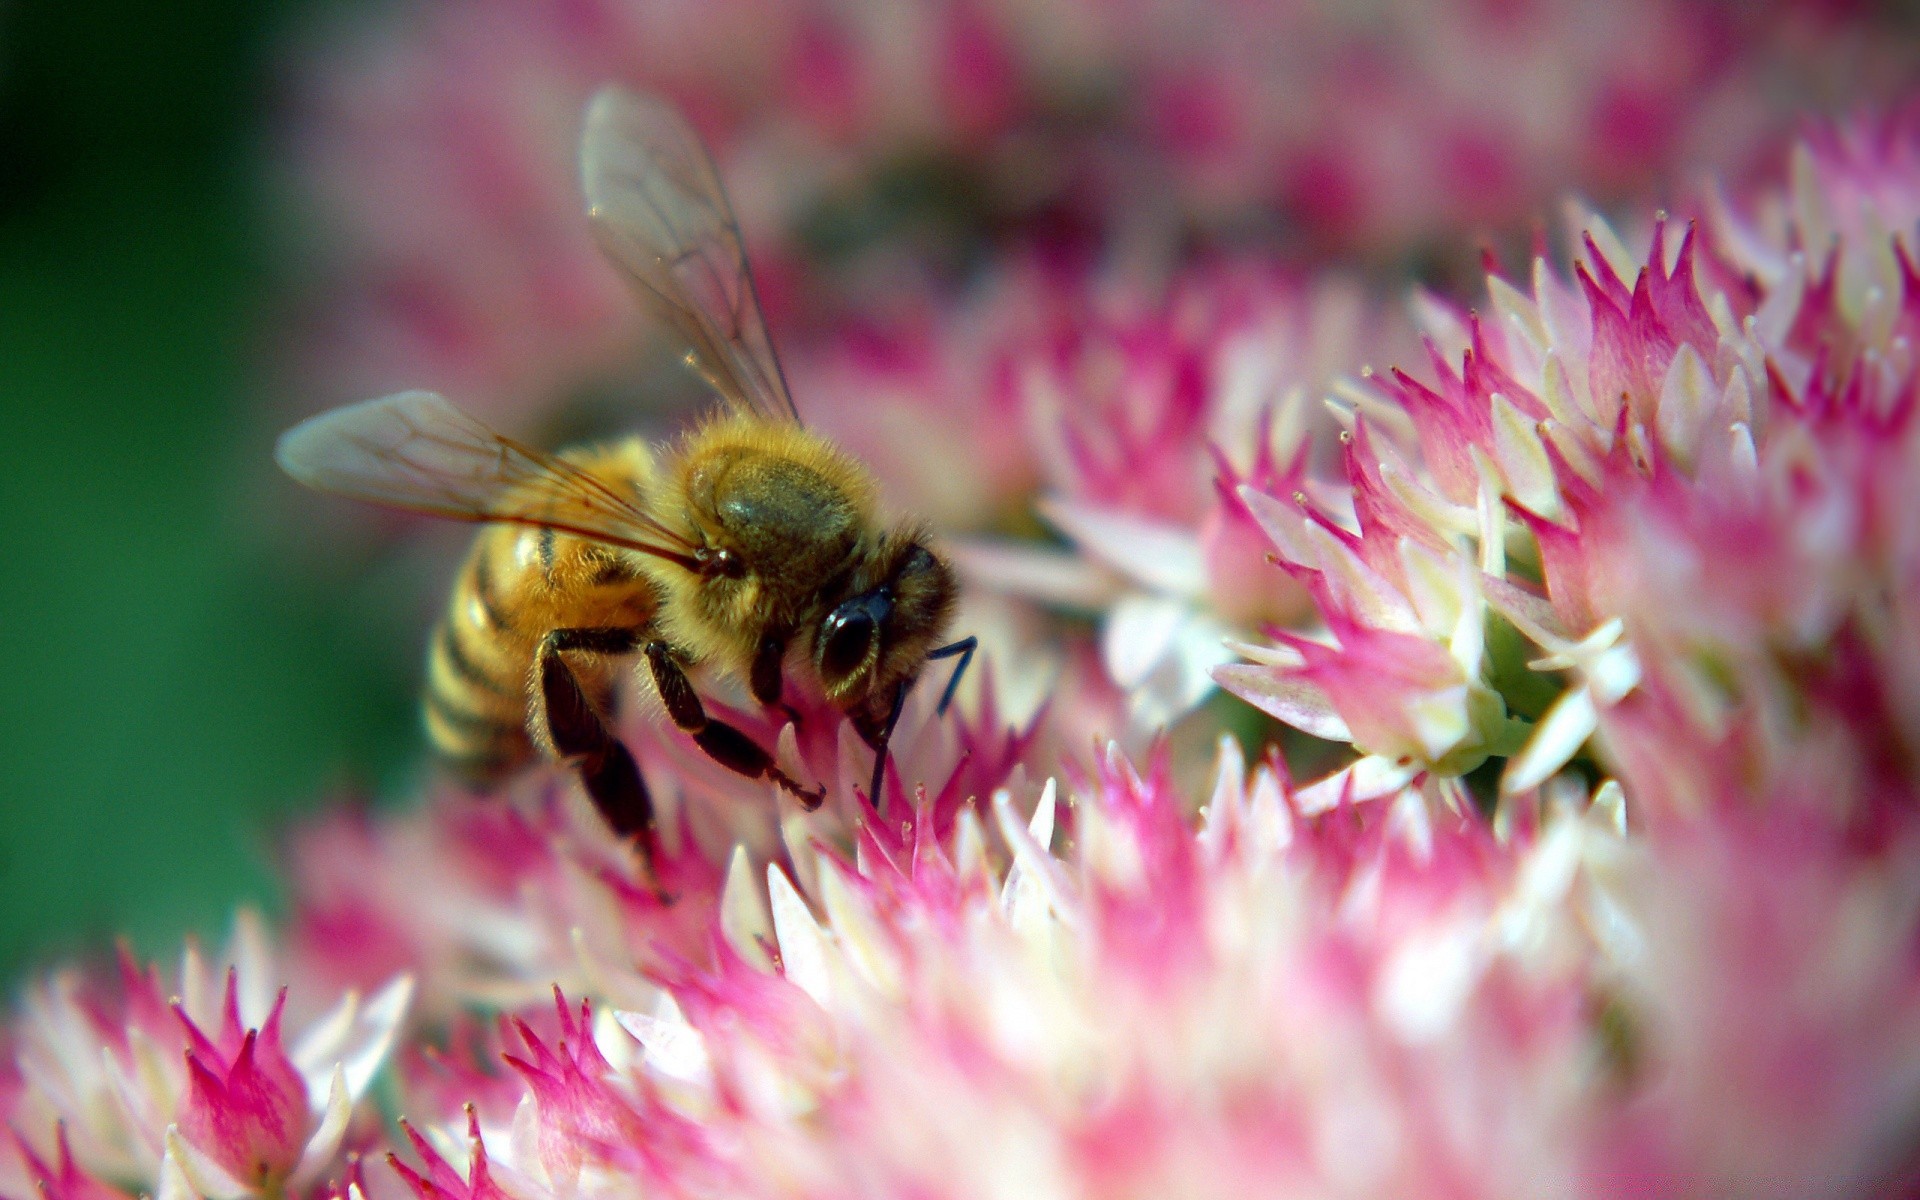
749, 546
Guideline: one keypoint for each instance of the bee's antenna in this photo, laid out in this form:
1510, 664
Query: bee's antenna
964, 648
886, 736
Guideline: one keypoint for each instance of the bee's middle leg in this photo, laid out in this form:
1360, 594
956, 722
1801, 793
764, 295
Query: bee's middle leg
580, 735
723, 743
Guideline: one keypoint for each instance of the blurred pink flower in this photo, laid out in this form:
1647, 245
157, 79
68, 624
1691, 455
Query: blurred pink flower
868, 143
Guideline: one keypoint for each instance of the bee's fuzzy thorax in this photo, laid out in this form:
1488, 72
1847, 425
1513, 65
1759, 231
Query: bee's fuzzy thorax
731, 432
796, 509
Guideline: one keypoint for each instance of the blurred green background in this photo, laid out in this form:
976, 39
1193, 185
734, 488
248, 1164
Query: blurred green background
174, 684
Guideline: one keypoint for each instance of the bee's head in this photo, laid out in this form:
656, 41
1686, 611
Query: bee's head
878, 635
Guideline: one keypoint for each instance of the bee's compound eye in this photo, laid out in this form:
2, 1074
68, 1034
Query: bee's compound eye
847, 638
850, 634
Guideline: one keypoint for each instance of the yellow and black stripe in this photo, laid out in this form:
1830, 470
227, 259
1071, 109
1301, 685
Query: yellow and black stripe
475, 707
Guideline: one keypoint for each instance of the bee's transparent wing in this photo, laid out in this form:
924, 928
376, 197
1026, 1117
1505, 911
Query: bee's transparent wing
661, 216
416, 451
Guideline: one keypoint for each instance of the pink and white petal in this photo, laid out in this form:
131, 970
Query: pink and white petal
1288, 699
200, 1172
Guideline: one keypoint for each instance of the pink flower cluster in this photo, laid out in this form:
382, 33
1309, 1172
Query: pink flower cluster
1598, 593
201, 1085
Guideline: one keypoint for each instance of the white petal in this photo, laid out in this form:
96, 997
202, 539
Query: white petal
145, 1097
1041, 826
1523, 459
379, 1024
743, 913
1532, 615
673, 1048
1612, 249
1610, 806
1561, 732
1271, 656
970, 863
1284, 525
1519, 312
199, 994
1269, 817
1426, 981
1688, 398
318, 1047
1441, 588
1226, 811
1614, 673
1439, 719
803, 944
1410, 489
858, 935
1138, 633
174, 1184
1033, 886
250, 950
1364, 779
325, 1141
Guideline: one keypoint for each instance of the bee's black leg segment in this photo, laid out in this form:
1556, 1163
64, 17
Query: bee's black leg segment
613, 780
580, 736
765, 677
880, 745
676, 690
964, 648
723, 743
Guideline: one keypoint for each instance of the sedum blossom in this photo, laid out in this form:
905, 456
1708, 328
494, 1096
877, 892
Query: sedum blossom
197, 1086
1680, 474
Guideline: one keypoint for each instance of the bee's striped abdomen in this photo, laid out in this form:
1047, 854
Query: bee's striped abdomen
475, 706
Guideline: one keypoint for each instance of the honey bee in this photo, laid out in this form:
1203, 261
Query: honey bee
749, 547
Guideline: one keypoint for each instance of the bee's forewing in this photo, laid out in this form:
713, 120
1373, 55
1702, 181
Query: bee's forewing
416, 451
662, 217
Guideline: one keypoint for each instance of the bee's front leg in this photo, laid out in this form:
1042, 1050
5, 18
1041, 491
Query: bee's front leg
579, 734
723, 743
